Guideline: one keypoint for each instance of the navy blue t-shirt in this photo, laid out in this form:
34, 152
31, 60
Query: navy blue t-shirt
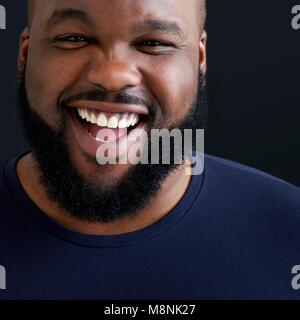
234, 235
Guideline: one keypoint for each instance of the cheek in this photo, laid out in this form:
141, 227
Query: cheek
174, 84
47, 76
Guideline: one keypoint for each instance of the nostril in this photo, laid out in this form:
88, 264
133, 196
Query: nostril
114, 77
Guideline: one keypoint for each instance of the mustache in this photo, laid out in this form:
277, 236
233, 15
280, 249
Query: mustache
100, 96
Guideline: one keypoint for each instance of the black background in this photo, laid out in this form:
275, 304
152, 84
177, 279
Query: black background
253, 72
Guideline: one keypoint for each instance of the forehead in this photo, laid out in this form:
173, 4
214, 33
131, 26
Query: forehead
121, 12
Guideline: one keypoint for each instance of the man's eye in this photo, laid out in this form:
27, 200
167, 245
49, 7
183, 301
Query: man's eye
155, 47
73, 41
154, 43
73, 38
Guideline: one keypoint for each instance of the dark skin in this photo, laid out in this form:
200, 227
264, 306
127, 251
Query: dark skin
112, 53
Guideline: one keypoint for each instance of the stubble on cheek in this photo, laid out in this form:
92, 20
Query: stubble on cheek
178, 85
43, 96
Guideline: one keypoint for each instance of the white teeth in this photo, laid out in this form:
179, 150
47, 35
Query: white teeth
86, 114
130, 120
81, 113
93, 118
102, 119
135, 120
113, 122
123, 123
123, 120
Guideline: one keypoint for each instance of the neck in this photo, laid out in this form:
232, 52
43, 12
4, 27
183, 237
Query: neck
171, 192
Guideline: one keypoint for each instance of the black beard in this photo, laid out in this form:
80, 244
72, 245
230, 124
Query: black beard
82, 199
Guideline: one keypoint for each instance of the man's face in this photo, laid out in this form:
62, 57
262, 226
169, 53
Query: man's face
146, 49
114, 57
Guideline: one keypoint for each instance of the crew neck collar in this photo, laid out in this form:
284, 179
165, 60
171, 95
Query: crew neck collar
39, 217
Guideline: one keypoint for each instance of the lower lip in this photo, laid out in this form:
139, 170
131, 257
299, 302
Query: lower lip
119, 147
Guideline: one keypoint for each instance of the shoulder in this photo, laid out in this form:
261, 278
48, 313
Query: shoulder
240, 203
8, 180
232, 167
224, 169
241, 183
250, 221
3, 185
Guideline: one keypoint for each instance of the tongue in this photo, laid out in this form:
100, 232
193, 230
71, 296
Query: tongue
105, 133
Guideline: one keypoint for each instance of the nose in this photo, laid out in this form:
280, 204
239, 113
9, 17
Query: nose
113, 74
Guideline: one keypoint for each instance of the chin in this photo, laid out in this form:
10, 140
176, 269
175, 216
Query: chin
103, 175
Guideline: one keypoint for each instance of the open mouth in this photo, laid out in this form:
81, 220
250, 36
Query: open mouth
120, 123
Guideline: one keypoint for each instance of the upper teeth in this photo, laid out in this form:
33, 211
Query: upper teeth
110, 120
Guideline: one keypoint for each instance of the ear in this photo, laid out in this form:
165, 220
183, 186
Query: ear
23, 48
202, 51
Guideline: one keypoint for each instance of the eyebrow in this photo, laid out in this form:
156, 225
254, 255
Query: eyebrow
168, 27
59, 16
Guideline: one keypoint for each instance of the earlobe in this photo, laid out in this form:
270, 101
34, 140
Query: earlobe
202, 52
23, 48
